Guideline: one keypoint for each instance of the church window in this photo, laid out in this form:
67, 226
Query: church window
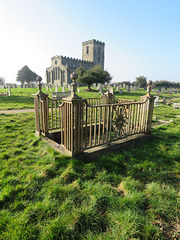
87, 49
98, 59
56, 62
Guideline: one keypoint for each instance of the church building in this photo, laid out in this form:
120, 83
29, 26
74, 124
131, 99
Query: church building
61, 67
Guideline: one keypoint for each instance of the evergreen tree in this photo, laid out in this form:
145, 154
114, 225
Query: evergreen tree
93, 75
25, 75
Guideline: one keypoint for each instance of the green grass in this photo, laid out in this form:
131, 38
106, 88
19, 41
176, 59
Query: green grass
23, 97
128, 194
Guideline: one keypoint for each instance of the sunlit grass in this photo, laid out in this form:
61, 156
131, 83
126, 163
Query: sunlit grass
127, 194
23, 97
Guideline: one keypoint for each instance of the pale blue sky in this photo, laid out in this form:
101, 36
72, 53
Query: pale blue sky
142, 37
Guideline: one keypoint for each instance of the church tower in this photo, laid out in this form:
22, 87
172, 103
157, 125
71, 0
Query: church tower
93, 51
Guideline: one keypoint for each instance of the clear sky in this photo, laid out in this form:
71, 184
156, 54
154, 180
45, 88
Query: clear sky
142, 37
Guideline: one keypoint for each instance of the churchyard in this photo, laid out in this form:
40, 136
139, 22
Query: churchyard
131, 193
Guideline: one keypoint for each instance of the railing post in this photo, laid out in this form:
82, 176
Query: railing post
73, 121
41, 110
150, 106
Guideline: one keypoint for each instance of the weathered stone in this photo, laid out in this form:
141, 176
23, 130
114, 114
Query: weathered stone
176, 105
61, 67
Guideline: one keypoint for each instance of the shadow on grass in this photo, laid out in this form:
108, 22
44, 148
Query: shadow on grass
153, 160
11, 102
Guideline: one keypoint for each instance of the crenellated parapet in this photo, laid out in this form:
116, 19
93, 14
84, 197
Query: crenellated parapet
61, 66
93, 41
71, 62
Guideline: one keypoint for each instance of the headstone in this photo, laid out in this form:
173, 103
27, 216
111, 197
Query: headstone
124, 85
78, 90
131, 88
121, 91
63, 89
111, 90
163, 90
127, 88
94, 85
156, 100
176, 105
56, 88
117, 89
100, 89
120, 85
9, 91
135, 88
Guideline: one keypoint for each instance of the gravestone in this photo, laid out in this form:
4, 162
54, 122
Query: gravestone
100, 89
63, 89
176, 105
111, 90
131, 88
120, 85
9, 90
127, 88
98, 86
56, 88
124, 85
78, 90
94, 85
135, 88
117, 89
156, 100
121, 91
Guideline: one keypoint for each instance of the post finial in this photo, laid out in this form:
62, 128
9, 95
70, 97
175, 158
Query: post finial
73, 76
39, 79
149, 86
